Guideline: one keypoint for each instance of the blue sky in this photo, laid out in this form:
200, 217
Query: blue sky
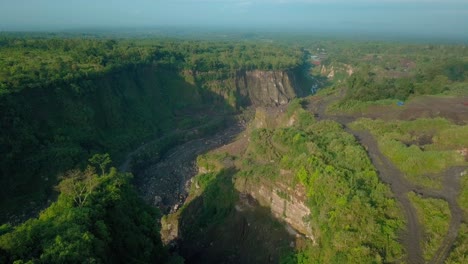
397, 16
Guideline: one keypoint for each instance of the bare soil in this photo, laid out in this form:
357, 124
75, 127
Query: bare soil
451, 108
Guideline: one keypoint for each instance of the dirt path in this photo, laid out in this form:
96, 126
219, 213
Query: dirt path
450, 193
165, 183
400, 187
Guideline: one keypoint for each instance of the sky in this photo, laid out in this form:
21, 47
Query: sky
427, 17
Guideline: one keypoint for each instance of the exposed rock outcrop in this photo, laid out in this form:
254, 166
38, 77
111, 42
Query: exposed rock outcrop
286, 204
258, 88
333, 70
267, 87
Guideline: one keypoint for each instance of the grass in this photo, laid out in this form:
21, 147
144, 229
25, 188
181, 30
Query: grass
457, 89
463, 198
459, 254
419, 166
434, 215
422, 148
212, 162
326, 91
452, 138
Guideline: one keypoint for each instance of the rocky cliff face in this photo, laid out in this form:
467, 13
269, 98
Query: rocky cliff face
285, 203
258, 88
267, 87
332, 70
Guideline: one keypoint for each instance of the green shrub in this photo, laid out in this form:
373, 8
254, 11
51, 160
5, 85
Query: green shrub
434, 215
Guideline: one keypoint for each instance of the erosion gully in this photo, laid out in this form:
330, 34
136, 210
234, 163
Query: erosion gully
400, 187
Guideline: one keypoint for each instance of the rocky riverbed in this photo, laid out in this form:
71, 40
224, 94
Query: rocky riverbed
165, 183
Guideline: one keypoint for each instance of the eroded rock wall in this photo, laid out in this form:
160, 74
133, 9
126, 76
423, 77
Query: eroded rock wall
267, 88
286, 204
257, 87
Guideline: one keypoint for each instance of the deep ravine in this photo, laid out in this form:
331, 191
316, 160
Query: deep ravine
165, 183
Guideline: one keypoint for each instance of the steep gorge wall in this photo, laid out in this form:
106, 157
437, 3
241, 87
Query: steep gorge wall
259, 88
47, 130
285, 203
268, 88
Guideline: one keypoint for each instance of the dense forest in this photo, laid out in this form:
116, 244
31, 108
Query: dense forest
394, 70
97, 218
29, 63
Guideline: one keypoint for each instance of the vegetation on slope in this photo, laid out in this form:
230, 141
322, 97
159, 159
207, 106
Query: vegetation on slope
98, 218
352, 217
218, 224
52, 129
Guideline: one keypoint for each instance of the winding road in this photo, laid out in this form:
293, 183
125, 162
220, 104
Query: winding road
400, 187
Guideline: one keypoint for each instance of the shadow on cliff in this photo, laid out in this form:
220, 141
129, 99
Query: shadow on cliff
222, 225
307, 84
66, 122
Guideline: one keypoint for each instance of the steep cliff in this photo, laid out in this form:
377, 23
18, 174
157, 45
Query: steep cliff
267, 88
259, 88
311, 175
278, 194
286, 200
287, 204
46, 130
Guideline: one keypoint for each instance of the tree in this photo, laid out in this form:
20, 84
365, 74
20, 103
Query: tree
101, 160
110, 225
78, 185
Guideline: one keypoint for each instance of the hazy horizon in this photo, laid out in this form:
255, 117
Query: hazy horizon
427, 18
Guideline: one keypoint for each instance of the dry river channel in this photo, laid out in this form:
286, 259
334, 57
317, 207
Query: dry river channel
165, 183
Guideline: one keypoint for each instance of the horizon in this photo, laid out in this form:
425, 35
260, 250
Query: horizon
413, 18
